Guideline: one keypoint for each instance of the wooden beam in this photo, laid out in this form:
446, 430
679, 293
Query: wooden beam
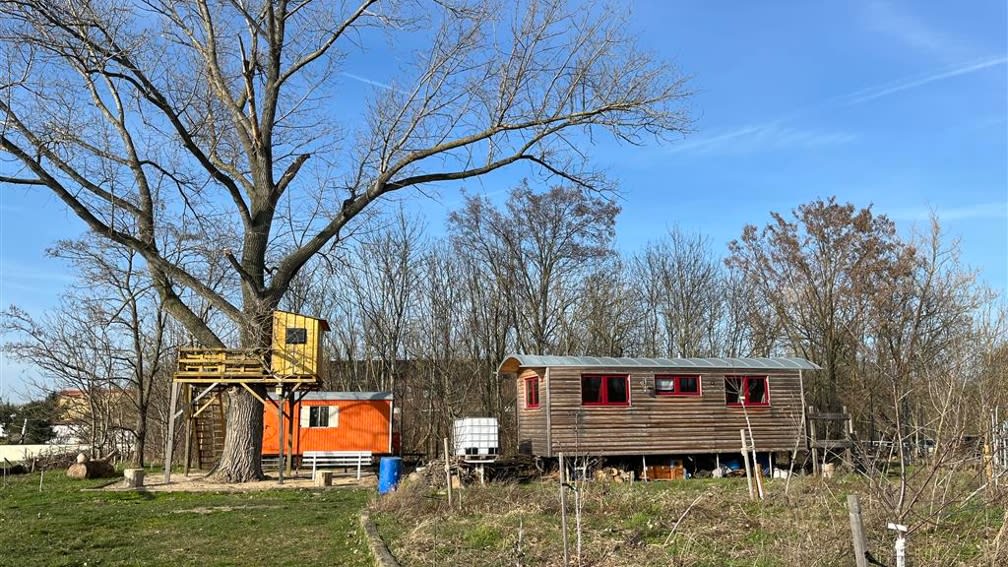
171, 432
253, 392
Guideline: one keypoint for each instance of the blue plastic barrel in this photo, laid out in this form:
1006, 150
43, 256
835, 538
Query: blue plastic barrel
389, 469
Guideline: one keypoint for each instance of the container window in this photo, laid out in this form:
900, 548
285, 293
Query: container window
296, 335
605, 390
747, 390
677, 385
323, 416
532, 392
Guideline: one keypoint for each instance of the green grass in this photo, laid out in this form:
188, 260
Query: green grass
65, 525
630, 525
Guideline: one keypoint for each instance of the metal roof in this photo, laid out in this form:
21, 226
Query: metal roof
347, 396
542, 361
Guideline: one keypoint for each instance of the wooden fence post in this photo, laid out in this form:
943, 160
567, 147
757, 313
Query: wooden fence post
857, 531
813, 437
447, 470
563, 508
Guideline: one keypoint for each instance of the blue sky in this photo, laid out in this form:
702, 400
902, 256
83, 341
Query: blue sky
901, 105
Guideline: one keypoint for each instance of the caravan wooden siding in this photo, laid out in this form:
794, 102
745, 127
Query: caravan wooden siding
353, 421
534, 419
654, 424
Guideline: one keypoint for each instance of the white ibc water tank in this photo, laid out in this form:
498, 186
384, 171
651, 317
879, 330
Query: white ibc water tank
476, 437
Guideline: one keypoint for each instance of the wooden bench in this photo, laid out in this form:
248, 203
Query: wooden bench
333, 459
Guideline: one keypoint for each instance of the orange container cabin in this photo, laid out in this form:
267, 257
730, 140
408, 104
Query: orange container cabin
334, 421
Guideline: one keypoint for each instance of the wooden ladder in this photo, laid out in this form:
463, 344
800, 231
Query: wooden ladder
208, 435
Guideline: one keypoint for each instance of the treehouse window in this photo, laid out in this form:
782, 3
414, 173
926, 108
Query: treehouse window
297, 335
675, 385
320, 416
605, 390
747, 390
532, 392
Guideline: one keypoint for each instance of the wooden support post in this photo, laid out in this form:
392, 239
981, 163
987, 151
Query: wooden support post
170, 442
189, 433
644, 471
290, 433
745, 458
280, 432
857, 531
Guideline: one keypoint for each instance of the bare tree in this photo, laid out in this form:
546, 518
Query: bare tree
201, 116
683, 287
604, 321
107, 340
541, 246
75, 355
817, 273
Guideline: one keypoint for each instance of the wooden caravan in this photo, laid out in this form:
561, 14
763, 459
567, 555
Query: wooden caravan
656, 406
334, 421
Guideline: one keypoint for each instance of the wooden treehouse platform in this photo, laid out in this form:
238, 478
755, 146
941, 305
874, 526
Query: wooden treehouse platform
294, 364
234, 366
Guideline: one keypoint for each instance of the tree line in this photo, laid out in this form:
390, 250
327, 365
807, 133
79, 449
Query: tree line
898, 323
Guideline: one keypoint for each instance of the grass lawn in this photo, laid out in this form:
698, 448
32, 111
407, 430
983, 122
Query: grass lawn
631, 525
65, 525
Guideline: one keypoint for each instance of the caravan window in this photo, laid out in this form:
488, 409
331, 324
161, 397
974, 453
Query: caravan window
747, 390
532, 392
677, 385
605, 390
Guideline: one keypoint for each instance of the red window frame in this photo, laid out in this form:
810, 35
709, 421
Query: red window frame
532, 392
603, 398
677, 390
744, 385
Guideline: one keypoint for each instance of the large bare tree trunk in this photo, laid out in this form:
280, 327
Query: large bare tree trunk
241, 456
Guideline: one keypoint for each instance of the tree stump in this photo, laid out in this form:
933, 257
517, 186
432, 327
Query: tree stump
133, 478
323, 478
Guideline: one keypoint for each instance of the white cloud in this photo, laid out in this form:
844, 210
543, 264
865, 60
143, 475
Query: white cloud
771, 136
367, 81
879, 91
907, 28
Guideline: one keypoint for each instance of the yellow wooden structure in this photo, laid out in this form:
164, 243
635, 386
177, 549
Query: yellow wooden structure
297, 345
294, 364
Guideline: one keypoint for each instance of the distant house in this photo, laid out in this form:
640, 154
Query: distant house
334, 421
655, 406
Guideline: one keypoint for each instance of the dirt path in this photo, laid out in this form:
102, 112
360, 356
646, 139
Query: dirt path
199, 483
